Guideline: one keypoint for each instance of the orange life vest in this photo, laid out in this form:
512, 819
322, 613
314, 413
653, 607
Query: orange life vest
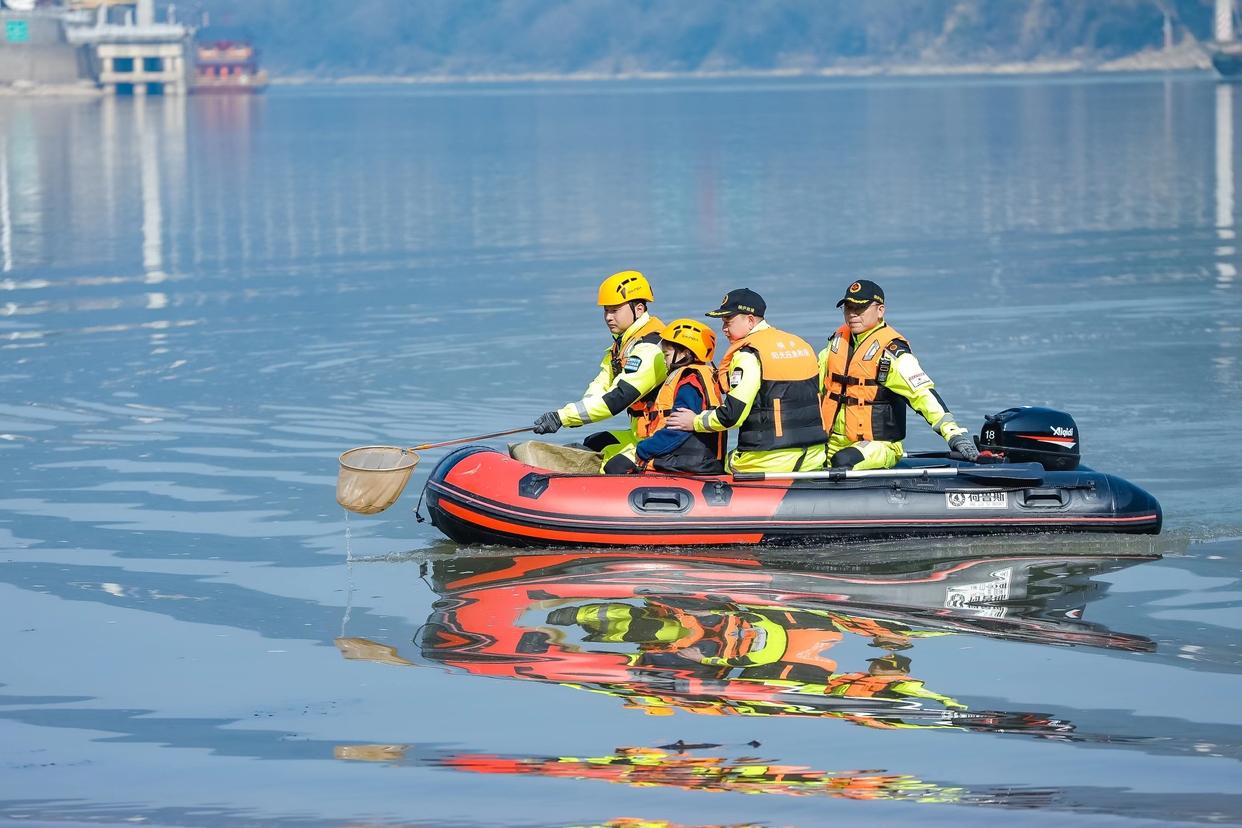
733, 634
701, 453
802, 660
807, 647
869, 626
862, 685
785, 413
618, 353
854, 377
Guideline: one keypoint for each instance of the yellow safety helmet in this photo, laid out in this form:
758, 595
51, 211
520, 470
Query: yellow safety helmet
696, 338
626, 286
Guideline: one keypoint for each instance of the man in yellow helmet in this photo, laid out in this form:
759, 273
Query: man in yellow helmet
867, 377
771, 381
631, 372
691, 385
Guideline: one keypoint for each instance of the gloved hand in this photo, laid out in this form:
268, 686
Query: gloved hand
964, 447
621, 464
548, 423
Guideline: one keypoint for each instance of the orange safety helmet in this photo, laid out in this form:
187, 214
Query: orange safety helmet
626, 286
694, 337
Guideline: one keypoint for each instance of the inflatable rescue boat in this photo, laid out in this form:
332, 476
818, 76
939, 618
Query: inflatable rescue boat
1034, 483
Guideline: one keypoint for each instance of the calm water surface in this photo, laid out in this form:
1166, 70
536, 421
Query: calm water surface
203, 302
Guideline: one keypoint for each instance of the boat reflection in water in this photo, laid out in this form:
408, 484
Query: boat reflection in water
736, 634
726, 634
678, 766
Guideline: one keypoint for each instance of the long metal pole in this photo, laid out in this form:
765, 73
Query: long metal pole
844, 474
472, 439
1025, 473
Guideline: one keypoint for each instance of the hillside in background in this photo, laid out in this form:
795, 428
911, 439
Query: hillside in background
335, 38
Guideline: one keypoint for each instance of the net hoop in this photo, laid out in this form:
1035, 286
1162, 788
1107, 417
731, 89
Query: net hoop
371, 478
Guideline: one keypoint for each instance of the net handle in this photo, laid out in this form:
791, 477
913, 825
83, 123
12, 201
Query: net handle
471, 439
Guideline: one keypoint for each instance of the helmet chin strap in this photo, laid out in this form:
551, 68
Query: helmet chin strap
684, 358
634, 313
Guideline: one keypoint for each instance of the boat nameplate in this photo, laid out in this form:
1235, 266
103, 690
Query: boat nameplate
976, 500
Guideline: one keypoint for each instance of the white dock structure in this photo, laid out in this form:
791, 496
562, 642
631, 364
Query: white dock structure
138, 56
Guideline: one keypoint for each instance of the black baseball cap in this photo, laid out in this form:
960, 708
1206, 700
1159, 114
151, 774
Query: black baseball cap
863, 292
742, 300
893, 662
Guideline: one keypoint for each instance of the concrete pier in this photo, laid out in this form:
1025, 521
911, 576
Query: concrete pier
158, 68
136, 56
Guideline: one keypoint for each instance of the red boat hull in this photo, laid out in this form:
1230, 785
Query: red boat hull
478, 495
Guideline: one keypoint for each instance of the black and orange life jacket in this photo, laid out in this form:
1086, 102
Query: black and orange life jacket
854, 377
785, 413
701, 453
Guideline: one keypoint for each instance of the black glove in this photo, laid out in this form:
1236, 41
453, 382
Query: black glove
548, 423
620, 464
964, 447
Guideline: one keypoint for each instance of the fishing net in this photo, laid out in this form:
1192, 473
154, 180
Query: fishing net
370, 753
363, 649
549, 457
371, 478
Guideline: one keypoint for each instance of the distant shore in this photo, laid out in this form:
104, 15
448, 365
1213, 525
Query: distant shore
1187, 57
30, 89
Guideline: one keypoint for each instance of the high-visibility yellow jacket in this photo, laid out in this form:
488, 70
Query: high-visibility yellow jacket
630, 376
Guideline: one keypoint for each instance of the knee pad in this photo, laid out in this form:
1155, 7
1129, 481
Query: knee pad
563, 617
600, 441
621, 465
847, 458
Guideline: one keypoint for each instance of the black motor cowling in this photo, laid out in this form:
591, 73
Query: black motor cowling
1033, 435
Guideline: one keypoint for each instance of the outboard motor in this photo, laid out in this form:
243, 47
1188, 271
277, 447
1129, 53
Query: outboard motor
1032, 435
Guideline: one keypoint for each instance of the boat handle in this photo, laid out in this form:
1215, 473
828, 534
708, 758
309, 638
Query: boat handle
660, 500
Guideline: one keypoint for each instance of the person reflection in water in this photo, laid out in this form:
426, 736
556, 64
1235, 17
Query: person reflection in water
759, 644
888, 678
885, 634
749, 656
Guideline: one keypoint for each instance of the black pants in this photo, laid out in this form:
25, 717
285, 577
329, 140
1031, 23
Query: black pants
600, 441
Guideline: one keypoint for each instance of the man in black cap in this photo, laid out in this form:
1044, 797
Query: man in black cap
867, 376
771, 384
